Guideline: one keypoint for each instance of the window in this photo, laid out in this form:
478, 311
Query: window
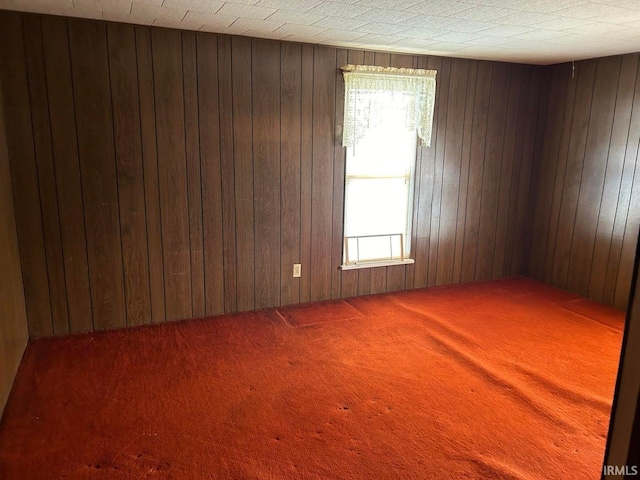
385, 111
378, 194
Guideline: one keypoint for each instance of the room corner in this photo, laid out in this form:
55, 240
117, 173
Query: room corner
14, 333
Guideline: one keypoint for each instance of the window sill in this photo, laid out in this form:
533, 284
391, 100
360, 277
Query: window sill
384, 263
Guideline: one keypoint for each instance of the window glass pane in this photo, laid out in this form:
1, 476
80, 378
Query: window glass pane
388, 150
376, 206
376, 248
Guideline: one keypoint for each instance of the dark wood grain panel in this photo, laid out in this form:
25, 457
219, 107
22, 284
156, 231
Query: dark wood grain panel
150, 172
306, 157
92, 95
560, 172
67, 172
612, 177
464, 170
476, 168
437, 153
506, 172
524, 76
592, 235
620, 230
593, 172
399, 60
14, 329
451, 171
128, 149
290, 162
227, 172
324, 65
585, 74
46, 173
629, 241
378, 280
533, 121
194, 181
629, 245
172, 171
211, 191
24, 180
244, 171
492, 179
266, 157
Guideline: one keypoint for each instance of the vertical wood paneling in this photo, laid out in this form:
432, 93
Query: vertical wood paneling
581, 112
464, 170
194, 181
514, 223
67, 172
436, 157
290, 143
589, 224
92, 95
227, 172
192, 170
451, 180
492, 179
150, 172
14, 329
619, 270
629, 243
244, 171
211, 188
531, 152
476, 169
613, 177
266, 169
560, 172
24, 180
46, 173
506, 172
324, 64
131, 195
306, 154
593, 172
172, 172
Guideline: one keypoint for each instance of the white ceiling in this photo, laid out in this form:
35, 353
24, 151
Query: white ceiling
528, 31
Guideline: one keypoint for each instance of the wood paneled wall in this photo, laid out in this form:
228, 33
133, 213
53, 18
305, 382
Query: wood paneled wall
13, 317
588, 193
162, 174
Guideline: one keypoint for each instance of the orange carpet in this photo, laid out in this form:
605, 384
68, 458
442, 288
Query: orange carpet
508, 379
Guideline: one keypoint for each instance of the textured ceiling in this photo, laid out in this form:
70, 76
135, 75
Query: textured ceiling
528, 31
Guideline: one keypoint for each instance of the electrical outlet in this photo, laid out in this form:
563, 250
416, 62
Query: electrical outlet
296, 270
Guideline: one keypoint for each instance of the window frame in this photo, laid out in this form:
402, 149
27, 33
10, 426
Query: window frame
410, 181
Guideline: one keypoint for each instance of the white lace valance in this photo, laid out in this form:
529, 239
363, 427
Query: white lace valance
373, 95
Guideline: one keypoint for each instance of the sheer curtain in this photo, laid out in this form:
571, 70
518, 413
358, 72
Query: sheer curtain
375, 93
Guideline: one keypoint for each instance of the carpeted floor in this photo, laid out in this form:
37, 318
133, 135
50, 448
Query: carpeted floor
509, 379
